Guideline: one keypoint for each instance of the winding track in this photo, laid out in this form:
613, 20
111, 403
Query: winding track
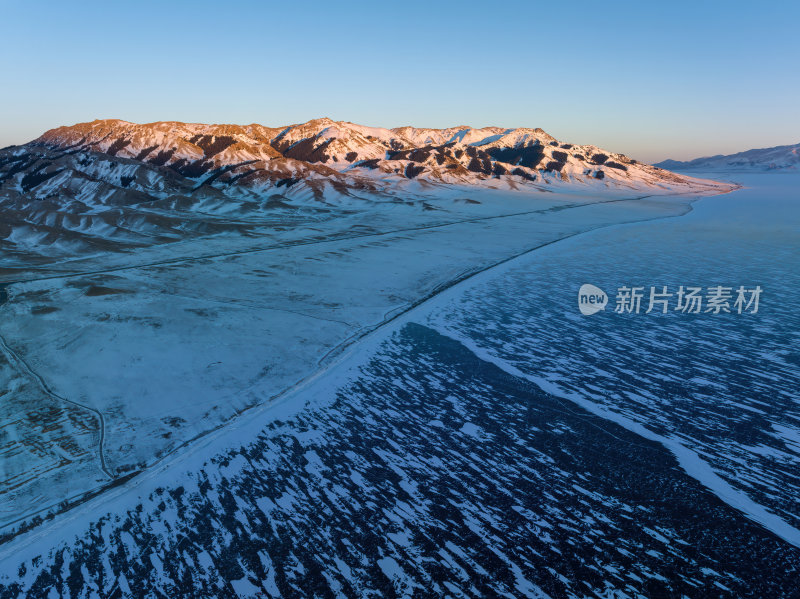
329, 357
25, 368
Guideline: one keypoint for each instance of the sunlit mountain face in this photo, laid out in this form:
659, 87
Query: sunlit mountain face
114, 185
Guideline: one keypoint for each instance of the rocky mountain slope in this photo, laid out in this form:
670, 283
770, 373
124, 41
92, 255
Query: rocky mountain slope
779, 158
111, 184
254, 156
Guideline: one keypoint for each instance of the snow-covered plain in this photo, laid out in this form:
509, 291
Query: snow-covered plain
425, 458
157, 347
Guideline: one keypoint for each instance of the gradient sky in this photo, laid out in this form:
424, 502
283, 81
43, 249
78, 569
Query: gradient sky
652, 80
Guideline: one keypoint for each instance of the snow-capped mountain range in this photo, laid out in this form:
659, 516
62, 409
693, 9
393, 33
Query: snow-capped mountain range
780, 158
257, 157
112, 184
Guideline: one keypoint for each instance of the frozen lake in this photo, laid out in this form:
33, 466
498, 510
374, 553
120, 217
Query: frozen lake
722, 385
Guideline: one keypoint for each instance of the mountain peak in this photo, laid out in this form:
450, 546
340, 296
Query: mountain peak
111, 183
362, 155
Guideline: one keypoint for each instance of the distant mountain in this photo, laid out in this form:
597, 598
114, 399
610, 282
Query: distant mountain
763, 159
111, 184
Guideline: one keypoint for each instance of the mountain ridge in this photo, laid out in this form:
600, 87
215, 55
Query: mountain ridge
323, 160
115, 185
192, 149
765, 159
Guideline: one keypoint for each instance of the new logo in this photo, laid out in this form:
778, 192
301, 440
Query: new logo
591, 299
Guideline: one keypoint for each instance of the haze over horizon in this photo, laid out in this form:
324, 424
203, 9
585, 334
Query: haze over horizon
652, 82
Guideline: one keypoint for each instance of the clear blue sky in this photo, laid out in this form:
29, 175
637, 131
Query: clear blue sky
653, 80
